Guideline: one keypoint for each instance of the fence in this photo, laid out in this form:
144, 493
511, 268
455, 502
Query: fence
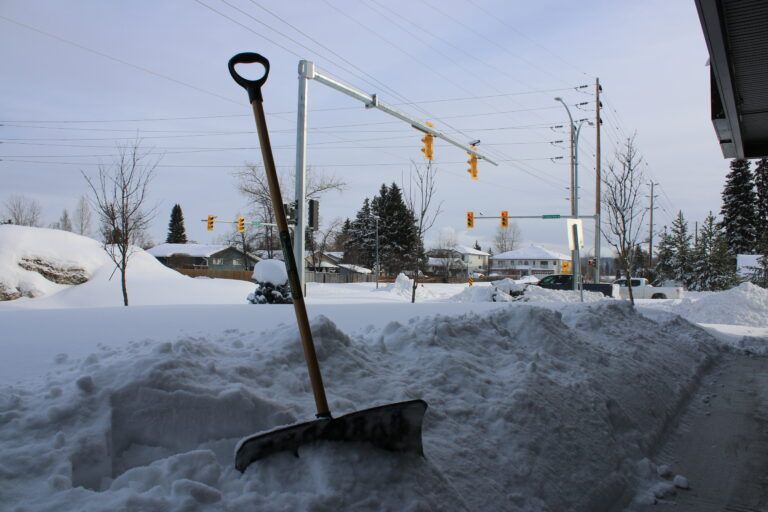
241, 275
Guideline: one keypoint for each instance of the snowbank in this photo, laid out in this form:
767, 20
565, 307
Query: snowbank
403, 287
31, 258
745, 305
539, 294
530, 409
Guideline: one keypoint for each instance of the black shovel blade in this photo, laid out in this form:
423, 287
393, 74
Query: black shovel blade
394, 427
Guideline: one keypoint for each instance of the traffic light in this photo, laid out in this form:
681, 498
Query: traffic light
314, 214
241, 224
210, 222
470, 219
566, 267
428, 140
472, 165
504, 219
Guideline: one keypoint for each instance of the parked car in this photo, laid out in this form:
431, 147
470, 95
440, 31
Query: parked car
565, 282
642, 290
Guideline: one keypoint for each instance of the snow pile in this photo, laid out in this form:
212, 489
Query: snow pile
746, 304
35, 262
539, 294
270, 271
403, 287
482, 293
529, 409
32, 259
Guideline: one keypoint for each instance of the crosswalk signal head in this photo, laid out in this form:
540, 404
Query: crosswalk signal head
472, 165
505, 219
241, 224
210, 222
470, 219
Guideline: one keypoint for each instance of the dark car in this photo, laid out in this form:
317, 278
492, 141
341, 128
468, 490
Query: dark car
565, 282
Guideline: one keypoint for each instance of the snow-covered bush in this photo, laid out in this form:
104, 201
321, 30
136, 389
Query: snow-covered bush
271, 283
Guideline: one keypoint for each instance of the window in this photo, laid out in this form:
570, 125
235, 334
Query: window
635, 283
218, 261
236, 261
544, 263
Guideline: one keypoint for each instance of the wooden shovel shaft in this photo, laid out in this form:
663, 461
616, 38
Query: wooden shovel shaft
315, 378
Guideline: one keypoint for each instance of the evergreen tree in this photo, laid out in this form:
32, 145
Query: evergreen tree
477, 246
663, 268
360, 247
681, 260
399, 245
761, 190
713, 267
176, 232
739, 216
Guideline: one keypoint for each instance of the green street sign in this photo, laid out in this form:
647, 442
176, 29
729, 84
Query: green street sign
550, 216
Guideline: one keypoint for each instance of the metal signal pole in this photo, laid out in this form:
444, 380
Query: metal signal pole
598, 202
650, 234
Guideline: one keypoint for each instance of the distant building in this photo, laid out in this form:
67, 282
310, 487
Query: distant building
748, 264
533, 260
458, 261
203, 256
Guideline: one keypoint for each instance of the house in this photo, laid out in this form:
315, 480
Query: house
533, 260
203, 256
457, 261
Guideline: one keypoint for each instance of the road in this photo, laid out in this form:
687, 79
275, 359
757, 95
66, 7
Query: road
721, 441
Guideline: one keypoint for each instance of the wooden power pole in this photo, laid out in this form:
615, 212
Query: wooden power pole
598, 233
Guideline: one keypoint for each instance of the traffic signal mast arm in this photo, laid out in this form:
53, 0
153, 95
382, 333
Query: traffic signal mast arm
309, 70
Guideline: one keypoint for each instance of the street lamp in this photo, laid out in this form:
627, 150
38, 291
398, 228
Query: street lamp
376, 218
575, 263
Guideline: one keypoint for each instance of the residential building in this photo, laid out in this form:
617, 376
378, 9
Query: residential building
203, 256
460, 260
533, 260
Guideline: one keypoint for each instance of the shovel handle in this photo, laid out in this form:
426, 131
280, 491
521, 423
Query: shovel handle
252, 86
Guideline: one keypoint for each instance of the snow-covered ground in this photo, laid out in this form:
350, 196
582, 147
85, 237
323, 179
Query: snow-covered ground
542, 403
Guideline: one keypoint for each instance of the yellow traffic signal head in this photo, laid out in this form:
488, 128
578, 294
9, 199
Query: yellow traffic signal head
505, 219
210, 222
428, 148
241, 224
472, 165
470, 219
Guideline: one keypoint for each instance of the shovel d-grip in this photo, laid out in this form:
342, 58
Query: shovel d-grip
394, 427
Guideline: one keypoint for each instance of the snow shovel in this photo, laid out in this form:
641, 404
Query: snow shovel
395, 427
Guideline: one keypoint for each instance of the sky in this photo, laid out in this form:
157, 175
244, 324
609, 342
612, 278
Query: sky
83, 77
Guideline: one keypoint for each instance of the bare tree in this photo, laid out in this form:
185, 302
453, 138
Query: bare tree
82, 217
623, 205
23, 211
119, 194
64, 223
321, 239
507, 239
252, 183
421, 194
446, 249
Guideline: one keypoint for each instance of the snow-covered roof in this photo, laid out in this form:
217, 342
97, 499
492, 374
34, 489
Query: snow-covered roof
747, 263
465, 249
532, 252
355, 268
195, 250
444, 262
337, 255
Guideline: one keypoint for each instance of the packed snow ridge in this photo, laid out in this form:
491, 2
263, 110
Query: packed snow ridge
529, 409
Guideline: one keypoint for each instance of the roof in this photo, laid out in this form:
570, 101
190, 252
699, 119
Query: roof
738, 57
532, 252
356, 268
464, 249
195, 250
336, 255
443, 262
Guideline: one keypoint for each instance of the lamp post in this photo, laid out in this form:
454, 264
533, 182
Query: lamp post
377, 250
574, 195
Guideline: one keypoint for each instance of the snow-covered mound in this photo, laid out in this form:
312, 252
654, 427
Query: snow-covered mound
539, 294
35, 262
61, 269
403, 287
529, 409
745, 304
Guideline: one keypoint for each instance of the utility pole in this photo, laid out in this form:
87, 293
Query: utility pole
650, 233
598, 201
